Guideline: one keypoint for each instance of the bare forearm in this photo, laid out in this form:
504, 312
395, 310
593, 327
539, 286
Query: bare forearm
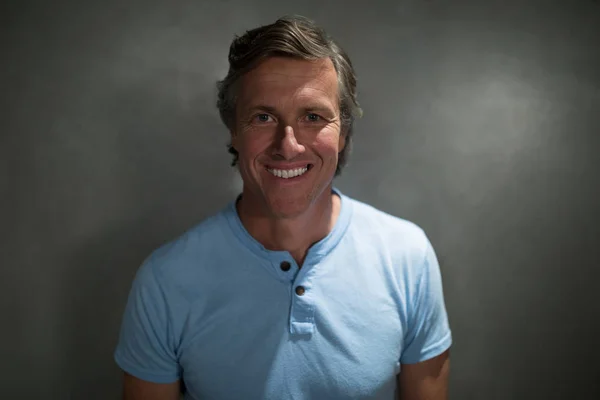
137, 389
427, 380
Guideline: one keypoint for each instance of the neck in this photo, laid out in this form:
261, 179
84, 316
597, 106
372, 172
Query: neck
294, 235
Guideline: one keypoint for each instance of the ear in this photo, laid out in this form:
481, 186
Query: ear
342, 141
234, 139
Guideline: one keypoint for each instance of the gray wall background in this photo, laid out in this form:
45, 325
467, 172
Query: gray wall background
481, 125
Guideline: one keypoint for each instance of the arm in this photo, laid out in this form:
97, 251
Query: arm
425, 361
146, 350
426, 380
137, 389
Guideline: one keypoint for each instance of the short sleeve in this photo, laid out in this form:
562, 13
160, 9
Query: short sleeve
146, 346
428, 334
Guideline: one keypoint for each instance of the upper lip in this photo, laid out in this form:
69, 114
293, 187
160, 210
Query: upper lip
288, 166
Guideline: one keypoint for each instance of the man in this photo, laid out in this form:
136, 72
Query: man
294, 290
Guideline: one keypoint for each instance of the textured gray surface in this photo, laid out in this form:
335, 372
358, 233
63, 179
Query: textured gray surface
482, 125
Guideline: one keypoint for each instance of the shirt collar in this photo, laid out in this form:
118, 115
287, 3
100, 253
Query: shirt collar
315, 252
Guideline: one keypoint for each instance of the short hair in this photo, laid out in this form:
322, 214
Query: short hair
295, 37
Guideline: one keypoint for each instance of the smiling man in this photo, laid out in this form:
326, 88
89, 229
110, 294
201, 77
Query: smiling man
294, 290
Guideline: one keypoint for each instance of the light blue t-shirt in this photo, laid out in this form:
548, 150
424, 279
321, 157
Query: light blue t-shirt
234, 320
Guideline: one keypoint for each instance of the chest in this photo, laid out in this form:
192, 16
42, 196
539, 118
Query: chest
337, 340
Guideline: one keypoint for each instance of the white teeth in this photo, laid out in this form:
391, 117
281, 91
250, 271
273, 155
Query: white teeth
288, 173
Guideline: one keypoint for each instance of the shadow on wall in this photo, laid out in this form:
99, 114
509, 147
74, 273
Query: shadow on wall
94, 292
166, 153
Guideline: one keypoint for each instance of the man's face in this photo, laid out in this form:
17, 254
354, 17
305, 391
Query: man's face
287, 133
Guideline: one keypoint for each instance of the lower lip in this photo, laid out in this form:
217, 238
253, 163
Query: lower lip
284, 181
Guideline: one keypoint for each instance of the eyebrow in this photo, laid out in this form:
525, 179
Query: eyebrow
306, 109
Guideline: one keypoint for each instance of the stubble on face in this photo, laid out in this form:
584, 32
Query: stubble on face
279, 94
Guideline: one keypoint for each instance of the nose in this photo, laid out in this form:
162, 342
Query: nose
287, 146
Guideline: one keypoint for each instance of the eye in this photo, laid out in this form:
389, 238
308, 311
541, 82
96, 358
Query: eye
262, 117
312, 117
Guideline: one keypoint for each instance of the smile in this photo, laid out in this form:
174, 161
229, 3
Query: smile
288, 173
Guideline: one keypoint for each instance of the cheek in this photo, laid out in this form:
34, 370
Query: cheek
250, 154
328, 145
250, 145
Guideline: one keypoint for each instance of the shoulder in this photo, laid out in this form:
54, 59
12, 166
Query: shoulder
202, 237
177, 263
400, 249
397, 234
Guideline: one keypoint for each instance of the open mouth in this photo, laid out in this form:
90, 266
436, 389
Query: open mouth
289, 173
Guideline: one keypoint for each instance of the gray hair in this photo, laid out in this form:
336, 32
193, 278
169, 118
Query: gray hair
294, 37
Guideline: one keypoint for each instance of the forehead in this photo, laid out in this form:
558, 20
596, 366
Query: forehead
278, 79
